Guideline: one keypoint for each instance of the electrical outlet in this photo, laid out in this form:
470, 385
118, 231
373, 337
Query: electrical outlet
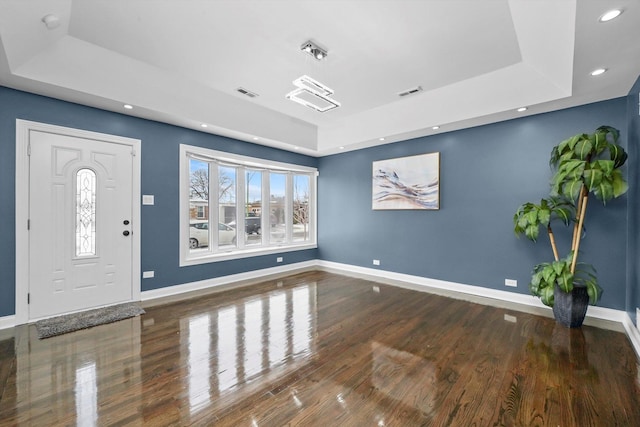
376, 262
376, 289
510, 318
511, 283
279, 259
148, 274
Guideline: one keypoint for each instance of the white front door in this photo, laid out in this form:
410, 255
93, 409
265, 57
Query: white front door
80, 223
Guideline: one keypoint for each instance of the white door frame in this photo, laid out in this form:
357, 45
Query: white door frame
23, 129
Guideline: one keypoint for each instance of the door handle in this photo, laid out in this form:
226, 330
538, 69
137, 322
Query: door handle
126, 232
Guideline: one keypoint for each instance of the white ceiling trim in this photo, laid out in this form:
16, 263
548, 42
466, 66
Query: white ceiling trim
529, 53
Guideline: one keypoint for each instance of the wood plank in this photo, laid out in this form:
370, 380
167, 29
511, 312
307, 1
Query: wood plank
321, 349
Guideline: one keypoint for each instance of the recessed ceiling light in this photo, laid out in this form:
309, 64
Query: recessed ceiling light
612, 14
296, 148
598, 71
204, 125
128, 107
435, 127
521, 109
341, 147
255, 138
380, 139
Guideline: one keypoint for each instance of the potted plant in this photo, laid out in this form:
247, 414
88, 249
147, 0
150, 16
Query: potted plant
583, 165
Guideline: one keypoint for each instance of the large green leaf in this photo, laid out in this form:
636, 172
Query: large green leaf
532, 232
592, 178
558, 267
606, 166
618, 155
546, 296
572, 188
522, 223
613, 132
594, 291
544, 216
583, 149
603, 191
549, 274
599, 140
565, 214
565, 281
618, 184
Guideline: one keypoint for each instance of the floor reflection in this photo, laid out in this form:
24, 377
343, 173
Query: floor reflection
404, 377
64, 380
319, 349
86, 391
255, 337
199, 361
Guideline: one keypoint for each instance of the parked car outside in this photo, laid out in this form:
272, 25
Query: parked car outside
252, 225
199, 234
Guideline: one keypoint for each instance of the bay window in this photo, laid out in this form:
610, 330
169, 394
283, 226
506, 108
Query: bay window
235, 206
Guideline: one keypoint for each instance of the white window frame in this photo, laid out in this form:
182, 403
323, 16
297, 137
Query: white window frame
213, 254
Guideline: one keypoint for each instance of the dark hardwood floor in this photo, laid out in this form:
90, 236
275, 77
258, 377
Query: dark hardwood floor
320, 349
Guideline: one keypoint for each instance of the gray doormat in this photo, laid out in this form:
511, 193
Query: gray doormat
87, 319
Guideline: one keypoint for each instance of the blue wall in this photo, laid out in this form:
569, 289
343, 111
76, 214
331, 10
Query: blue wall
160, 152
633, 252
485, 174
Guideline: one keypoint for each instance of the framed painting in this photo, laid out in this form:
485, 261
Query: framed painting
407, 183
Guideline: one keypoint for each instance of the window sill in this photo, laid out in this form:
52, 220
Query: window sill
197, 259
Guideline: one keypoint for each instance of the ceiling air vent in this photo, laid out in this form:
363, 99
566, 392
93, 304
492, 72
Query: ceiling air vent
411, 91
247, 92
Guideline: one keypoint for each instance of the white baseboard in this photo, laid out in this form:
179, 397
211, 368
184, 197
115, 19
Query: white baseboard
227, 282
632, 333
459, 290
471, 293
7, 322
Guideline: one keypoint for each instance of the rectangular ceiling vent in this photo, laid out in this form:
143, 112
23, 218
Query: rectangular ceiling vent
411, 91
247, 92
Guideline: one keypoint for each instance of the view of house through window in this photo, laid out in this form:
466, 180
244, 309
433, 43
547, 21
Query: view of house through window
277, 204
253, 203
271, 203
301, 190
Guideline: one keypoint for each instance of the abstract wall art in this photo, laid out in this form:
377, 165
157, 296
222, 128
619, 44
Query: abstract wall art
407, 183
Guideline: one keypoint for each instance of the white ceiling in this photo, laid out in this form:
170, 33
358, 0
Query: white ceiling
181, 62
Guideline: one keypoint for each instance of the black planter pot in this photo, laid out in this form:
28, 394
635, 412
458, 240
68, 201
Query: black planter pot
570, 308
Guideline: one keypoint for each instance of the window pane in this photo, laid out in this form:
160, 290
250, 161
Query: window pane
301, 191
253, 203
240, 207
198, 205
277, 220
85, 213
227, 179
